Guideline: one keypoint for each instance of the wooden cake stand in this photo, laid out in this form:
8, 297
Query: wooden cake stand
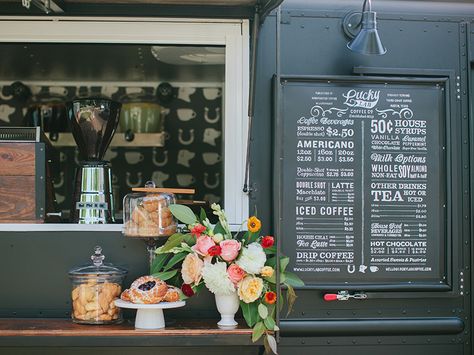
149, 316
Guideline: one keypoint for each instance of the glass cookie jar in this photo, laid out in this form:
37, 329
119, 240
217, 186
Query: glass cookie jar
146, 213
95, 287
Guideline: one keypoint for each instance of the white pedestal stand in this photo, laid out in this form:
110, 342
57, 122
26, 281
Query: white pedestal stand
149, 316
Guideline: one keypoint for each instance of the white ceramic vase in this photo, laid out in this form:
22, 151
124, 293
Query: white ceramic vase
227, 305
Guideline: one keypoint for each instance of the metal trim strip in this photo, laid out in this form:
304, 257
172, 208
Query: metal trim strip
371, 327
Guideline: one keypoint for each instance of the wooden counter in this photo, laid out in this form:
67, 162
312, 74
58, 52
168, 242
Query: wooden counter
62, 332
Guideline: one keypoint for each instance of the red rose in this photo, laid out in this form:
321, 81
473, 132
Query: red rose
270, 297
267, 241
214, 251
187, 290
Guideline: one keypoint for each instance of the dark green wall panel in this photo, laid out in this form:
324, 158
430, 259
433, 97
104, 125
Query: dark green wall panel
35, 267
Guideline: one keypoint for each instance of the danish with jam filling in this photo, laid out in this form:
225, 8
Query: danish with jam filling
146, 290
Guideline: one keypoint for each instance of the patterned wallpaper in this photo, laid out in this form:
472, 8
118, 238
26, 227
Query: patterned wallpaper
191, 157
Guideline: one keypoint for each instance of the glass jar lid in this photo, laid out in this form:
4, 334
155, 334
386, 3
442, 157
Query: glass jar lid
98, 267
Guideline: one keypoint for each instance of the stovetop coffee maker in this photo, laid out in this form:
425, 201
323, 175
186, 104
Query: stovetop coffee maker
93, 123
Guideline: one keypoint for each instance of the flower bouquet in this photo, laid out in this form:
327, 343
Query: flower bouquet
235, 265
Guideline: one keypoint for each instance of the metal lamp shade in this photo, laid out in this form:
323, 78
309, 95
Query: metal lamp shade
367, 40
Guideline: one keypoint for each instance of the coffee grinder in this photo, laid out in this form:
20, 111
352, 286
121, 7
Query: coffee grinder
93, 123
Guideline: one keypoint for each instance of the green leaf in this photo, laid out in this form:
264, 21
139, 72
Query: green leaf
174, 260
273, 278
158, 263
262, 311
272, 343
183, 214
270, 251
219, 229
172, 242
290, 298
271, 310
271, 262
202, 215
189, 239
165, 275
250, 312
186, 248
175, 281
252, 237
284, 263
197, 288
269, 323
291, 279
258, 331
281, 304
268, 350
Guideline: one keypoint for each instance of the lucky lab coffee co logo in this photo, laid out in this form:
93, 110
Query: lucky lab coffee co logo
363, 98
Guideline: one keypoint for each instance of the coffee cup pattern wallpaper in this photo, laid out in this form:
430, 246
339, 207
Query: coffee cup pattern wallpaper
191, 158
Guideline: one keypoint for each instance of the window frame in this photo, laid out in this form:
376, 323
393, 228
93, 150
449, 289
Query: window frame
233, 34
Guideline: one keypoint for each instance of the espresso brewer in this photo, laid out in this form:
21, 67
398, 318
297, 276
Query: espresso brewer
93, 123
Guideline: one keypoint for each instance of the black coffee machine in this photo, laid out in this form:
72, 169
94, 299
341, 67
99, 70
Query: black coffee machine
93, 123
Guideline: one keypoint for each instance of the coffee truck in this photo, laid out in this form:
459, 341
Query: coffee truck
347, 126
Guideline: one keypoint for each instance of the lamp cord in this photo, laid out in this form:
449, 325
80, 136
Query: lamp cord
253, 65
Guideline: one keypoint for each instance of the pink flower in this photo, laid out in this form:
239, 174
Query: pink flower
235, 273
203, 243
230, 249
197, 230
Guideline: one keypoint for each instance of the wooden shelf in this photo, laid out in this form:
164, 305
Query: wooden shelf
63, 332
74, 227
59, 227
65, 327
140, 140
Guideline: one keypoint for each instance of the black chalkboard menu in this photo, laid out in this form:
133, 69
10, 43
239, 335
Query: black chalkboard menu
363, 180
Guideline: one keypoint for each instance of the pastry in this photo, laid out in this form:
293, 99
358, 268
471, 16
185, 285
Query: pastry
172, 295
94, 302
125, 296
153, 202
168, 230
152, 218
147, 290
139, 215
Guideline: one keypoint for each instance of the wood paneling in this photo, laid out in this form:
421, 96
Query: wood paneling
17, 198
17, 159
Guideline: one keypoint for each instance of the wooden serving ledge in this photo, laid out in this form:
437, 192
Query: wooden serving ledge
54, 332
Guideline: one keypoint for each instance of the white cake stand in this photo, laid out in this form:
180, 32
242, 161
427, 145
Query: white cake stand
149, 316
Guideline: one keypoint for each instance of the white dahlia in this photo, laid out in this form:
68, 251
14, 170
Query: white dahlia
252, 259
216, 279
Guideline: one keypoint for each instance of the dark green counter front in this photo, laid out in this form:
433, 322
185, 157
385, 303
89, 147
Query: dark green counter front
35, 267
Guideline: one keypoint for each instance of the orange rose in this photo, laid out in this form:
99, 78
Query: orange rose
270, 297
254, 224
